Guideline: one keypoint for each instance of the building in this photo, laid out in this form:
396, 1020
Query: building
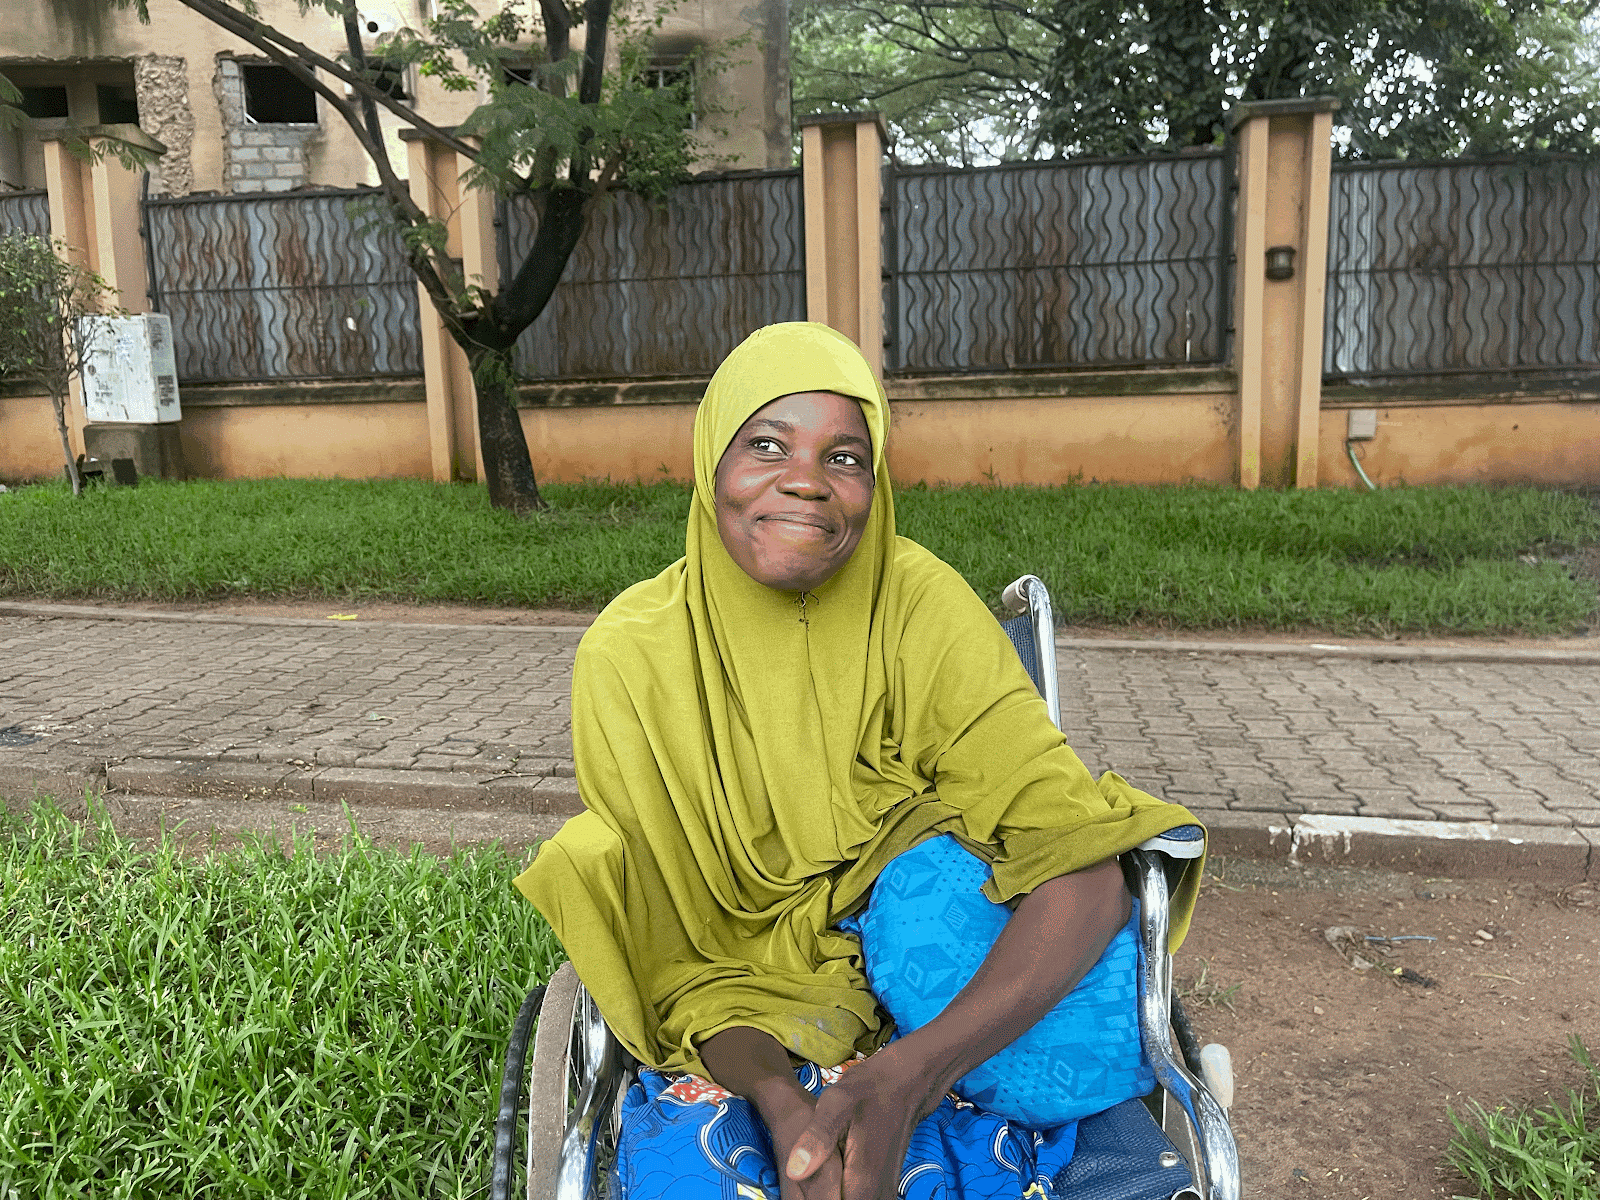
233, 122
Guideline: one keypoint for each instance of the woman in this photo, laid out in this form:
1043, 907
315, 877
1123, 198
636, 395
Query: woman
759, 731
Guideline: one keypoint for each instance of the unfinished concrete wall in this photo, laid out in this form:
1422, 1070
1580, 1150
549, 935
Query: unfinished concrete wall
161, 84
258, 157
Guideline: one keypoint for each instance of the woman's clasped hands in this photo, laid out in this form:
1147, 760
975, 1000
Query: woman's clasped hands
855, 1140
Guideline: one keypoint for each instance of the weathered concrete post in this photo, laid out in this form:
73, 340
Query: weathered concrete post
1281, 236
841, 168
468, 215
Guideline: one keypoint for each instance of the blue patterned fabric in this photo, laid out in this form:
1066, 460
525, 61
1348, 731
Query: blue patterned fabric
690, 1140
925, 932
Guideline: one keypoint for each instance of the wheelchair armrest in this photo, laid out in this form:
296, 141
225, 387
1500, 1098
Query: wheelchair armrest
1186, 841
1219, 1154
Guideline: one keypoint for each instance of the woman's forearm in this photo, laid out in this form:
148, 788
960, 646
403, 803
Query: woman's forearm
754, 1065
1057, 933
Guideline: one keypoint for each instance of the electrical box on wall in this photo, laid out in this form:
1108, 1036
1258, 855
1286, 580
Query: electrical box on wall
1362, 425
129, 373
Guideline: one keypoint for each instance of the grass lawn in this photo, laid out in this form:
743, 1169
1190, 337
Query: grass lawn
1443, 560
252, 1023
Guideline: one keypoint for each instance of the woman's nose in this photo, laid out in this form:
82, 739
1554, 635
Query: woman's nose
806, 480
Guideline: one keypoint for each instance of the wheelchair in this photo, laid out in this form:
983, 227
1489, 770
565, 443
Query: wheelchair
1175, 1144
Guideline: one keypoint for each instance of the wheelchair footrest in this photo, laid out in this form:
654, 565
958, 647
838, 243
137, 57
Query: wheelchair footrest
1123, 1155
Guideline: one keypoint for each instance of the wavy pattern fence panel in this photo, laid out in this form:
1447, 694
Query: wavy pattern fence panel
1463, 267
1059, 264
25, 212
663, 289
283, 287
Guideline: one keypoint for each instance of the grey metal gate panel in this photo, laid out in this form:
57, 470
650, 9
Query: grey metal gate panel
662, 289
25, 212
1060, 264
1465, 266
305, 286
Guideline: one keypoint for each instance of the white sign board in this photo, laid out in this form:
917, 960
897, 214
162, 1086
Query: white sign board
129, 373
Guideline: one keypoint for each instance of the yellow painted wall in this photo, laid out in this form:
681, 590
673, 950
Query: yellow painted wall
1551, 444
1131, 439
351, 441
30, 446
617, 441
1126, 439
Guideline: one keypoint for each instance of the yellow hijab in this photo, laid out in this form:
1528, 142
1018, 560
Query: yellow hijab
750, 760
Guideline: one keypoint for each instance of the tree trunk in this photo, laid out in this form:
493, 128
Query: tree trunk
507, 465
59, 403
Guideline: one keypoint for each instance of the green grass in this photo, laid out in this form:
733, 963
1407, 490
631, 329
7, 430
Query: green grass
1534, 1154
253, 1022
1401, 559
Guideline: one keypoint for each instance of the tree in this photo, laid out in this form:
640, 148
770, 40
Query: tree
1415, 78
959, 81
579, 123
44, 338
965, 79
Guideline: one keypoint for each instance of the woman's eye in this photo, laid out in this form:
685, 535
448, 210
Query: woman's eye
846, 458
764, 445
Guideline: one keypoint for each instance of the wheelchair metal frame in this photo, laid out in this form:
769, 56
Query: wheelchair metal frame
580, 1072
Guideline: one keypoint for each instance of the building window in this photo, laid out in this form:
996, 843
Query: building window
272, 96
675, 75
518, 72
389, 77
118, 106
44, 103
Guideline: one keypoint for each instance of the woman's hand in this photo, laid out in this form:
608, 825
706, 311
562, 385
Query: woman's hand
786, 1123
860, 1128
752, 1064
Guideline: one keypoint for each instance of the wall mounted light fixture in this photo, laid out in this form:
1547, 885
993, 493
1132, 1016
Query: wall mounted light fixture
1280, 262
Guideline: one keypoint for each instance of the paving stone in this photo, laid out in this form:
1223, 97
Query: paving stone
468, 705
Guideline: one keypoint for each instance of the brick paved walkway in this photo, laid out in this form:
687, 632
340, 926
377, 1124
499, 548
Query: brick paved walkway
468, 714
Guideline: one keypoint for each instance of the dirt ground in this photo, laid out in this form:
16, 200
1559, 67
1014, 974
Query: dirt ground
1344, 1076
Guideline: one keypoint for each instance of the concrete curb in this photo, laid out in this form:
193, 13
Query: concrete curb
83, 612
290, 782
418, 803
198, 822
1488, 654
1360, 651
1545, 854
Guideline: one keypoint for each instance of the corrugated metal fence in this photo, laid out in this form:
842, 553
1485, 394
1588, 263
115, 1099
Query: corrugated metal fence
282, 287
1433, 268
1063, 264
668, 288
1462, 267
27, 212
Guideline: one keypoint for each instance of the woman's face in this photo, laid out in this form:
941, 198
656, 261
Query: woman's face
794, 490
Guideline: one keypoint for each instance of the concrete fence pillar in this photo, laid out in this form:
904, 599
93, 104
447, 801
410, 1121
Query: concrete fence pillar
841, 169
1281, 239
94, 211
468, 215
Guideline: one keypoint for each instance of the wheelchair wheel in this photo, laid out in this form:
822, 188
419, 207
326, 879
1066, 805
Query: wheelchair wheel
574, 1095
